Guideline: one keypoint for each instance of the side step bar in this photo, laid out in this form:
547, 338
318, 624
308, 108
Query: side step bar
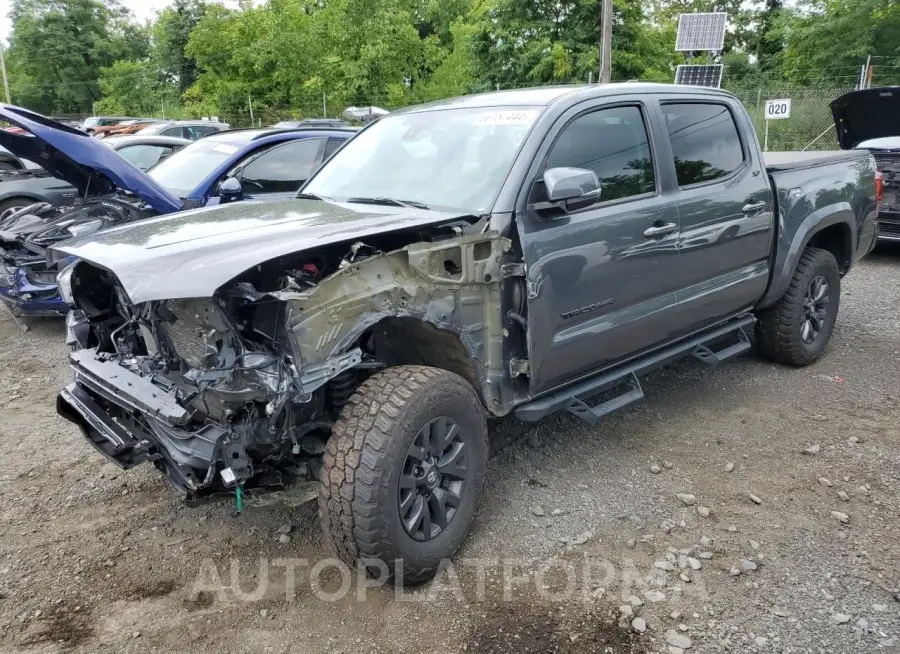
712, 358
632, 392
570, 397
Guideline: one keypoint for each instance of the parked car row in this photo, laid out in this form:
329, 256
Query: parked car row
518, 252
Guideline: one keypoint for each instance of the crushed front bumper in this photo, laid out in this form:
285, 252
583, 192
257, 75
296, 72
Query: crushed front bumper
131, 420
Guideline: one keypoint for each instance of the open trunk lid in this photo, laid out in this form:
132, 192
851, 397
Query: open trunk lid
864, 115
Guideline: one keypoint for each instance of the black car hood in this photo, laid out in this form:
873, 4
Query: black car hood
864, 115
192, 253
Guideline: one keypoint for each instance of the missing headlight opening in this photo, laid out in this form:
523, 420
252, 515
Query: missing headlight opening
240, 390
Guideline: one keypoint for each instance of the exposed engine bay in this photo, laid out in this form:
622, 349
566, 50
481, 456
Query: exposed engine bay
27, 234
241, 390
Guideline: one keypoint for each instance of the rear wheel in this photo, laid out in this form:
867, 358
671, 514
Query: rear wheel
796, 330
403, 471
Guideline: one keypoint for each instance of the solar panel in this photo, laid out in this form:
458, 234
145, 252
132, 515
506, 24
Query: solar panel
706, 75
698, 32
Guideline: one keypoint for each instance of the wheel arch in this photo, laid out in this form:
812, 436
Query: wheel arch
829, 229
409, 340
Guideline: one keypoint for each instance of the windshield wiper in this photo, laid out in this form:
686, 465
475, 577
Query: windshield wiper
311, 196
390, 202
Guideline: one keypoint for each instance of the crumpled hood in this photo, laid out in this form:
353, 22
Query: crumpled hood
77, 158
868, 114
192, 253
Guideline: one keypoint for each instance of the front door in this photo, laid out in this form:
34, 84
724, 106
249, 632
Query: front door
279, 172
601, 279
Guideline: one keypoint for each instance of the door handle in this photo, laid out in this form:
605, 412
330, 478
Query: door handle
754, 207
660, 230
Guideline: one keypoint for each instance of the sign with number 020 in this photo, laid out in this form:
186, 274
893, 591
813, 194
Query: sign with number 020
778, 109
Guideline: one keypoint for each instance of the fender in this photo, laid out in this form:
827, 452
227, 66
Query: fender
453, 285
793, 239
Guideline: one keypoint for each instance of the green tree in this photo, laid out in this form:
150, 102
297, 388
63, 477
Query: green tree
57, 48
828, 40
171, 32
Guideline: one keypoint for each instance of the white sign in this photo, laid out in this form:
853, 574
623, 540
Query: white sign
778, 109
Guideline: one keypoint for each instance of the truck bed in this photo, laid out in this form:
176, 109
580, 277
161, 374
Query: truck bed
780, 161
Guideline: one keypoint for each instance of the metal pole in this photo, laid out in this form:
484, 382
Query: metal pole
758, 109
250, 102
766, 146
5, 78
868, 81
324, 106
606, 42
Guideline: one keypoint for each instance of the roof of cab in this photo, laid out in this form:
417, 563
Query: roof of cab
545, 96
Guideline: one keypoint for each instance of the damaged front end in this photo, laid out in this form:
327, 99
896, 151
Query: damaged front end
241, 390
205, 389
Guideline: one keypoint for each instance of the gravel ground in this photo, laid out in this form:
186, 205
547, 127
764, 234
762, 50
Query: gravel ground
742, 508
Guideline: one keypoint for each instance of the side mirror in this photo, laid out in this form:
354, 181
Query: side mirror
230, 191
571, 186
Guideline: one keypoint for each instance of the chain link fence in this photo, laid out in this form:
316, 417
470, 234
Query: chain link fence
810, 125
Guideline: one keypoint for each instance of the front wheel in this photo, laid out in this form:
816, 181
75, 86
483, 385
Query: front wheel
796, 330
403, 471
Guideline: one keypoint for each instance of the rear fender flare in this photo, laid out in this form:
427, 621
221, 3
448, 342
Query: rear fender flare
788, 253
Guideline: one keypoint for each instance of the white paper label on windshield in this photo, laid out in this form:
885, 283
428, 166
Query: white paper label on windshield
225, 149
509, 117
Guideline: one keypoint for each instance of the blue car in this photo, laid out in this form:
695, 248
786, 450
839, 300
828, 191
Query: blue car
253, 164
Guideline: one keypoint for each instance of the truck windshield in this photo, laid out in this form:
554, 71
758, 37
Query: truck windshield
447, 158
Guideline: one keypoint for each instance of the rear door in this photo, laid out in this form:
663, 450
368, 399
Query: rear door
600, 285
725, 206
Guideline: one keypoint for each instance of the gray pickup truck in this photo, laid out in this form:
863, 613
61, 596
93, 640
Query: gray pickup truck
518, 252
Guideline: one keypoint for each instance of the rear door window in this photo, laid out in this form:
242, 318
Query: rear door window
705, 141
195, 132
177, 132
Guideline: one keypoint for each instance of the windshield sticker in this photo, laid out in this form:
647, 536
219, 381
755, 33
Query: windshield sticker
505, 118
225, 149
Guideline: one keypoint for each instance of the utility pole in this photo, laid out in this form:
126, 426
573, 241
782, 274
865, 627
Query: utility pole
606, 42
5, 78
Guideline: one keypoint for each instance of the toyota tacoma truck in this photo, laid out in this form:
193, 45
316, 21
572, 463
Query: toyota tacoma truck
518, 252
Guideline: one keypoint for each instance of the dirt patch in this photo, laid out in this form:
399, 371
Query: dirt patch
64, 627
527, 627
140, 589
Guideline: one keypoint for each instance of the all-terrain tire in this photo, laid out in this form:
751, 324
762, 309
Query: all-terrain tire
779, 328
364, 459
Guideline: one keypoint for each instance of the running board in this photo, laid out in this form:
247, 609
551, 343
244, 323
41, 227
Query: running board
570, 397
709, 357
632, 392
